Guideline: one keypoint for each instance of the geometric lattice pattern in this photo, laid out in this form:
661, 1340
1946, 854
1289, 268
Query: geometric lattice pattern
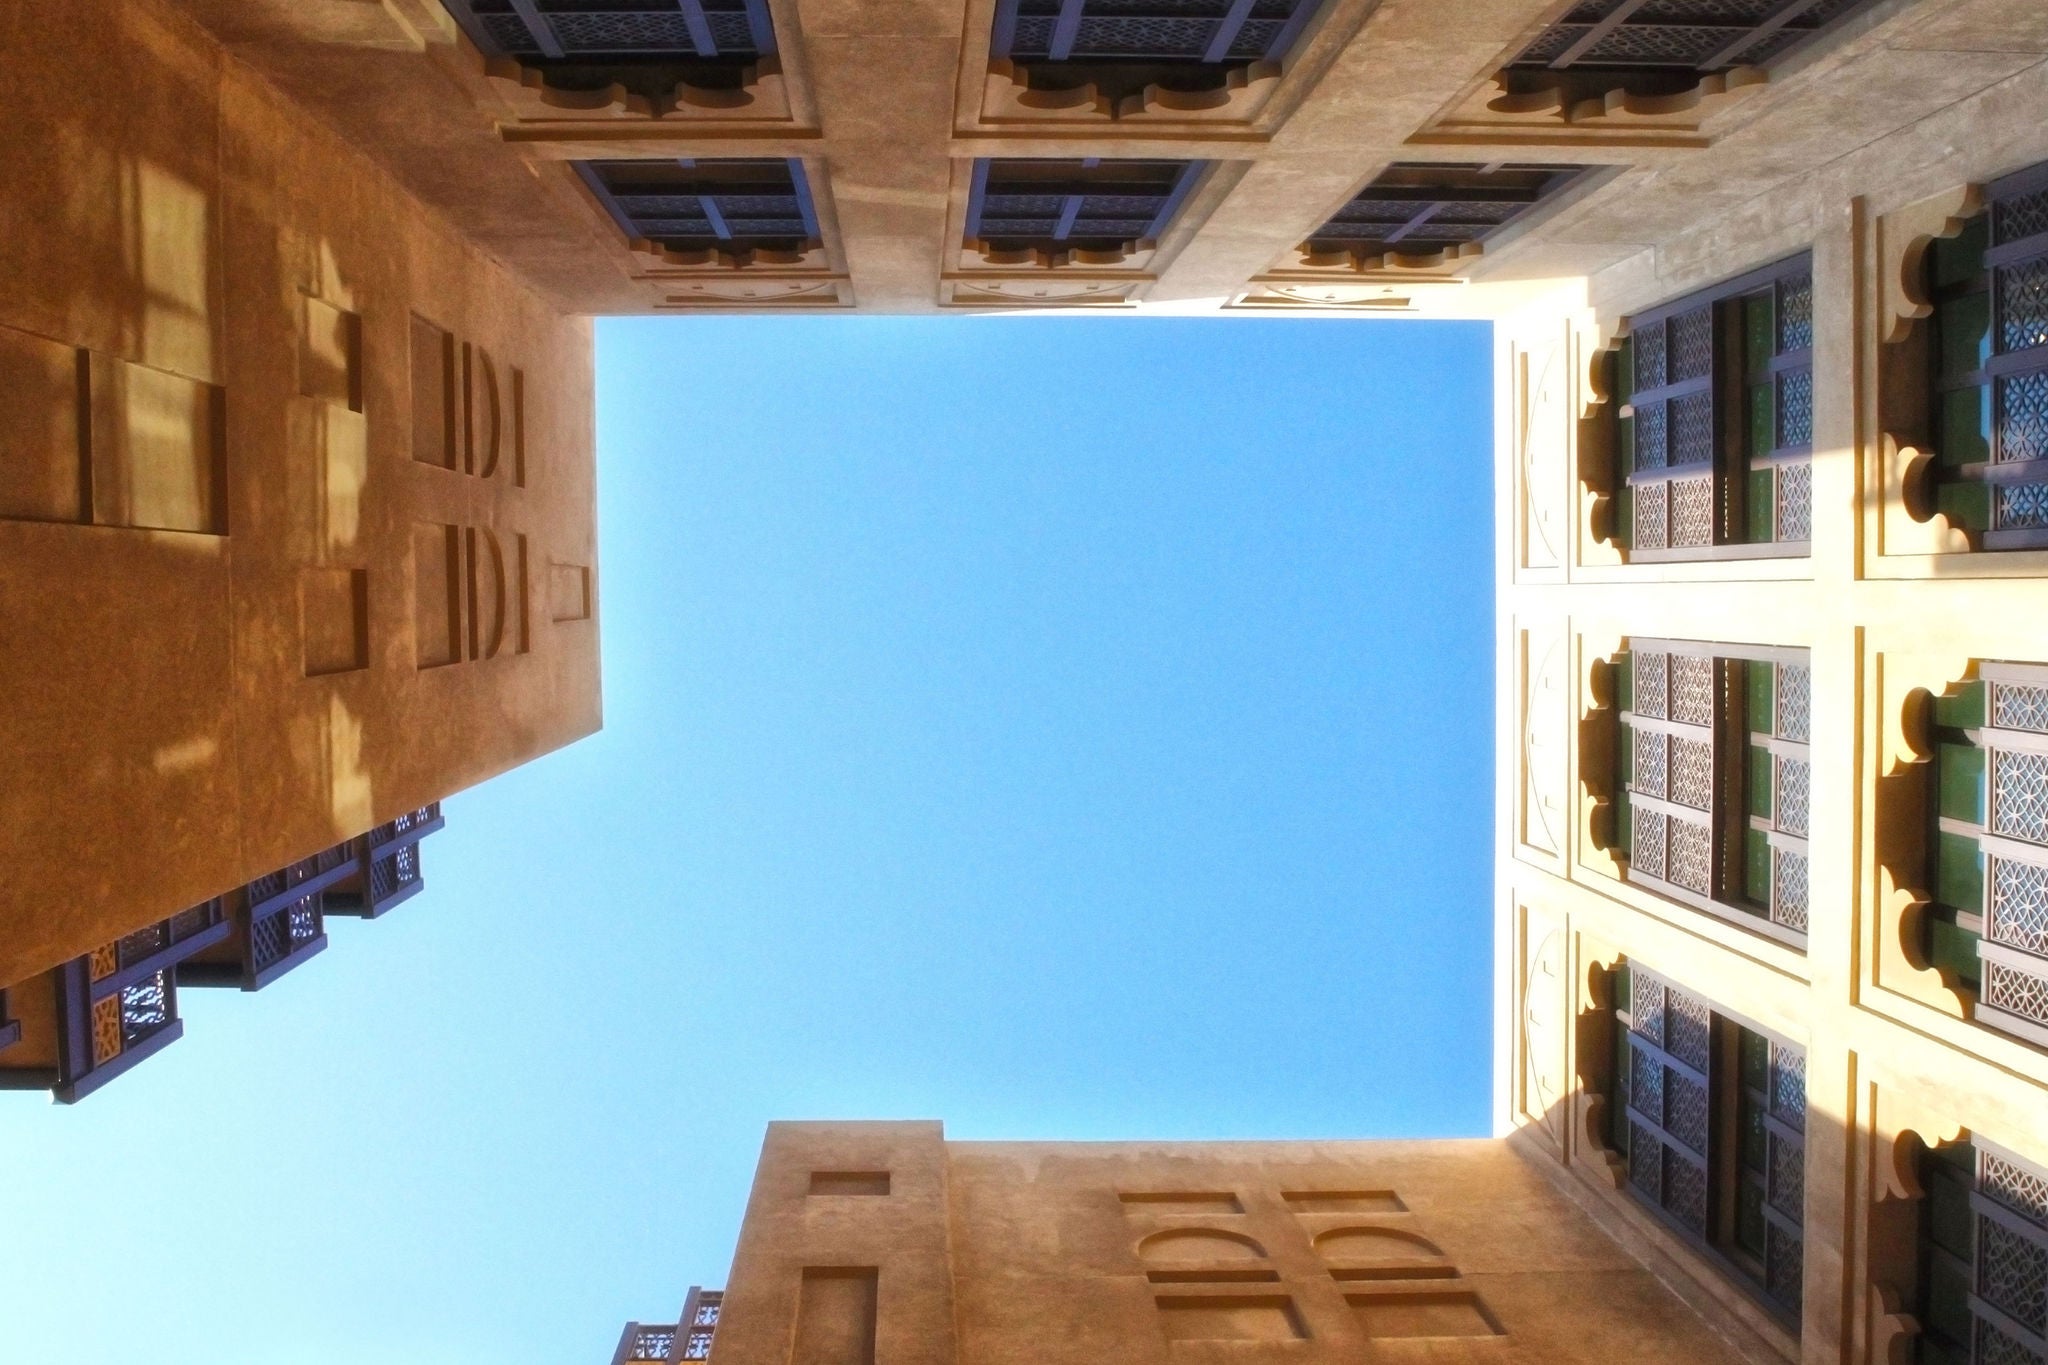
145, 1007
1692, 689
1794, 512
1418, 208
1692, 429
2019, 905
2019, 706
620, 30
1691, 857
2013, 1185
1647, 848
1692, 345
1692, 513
1996, 1348
2019, 506
1795, 314
1794, 779
1795, 701
1652, 516
1688, 36
1784, 1264
2019, 795
1058, 205
1652, 690
1177, 32
1795, 408
653, 1343
2012, 1272
1692, 772
1788, 889
1652, 770
2023, 415
2023, 305
2016, 992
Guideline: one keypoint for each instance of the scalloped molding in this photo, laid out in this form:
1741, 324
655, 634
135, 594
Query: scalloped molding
763, 97
978, 255
1905, 682
1039, 291
1595, 741
1595, 1023
1595, 447
1904, 238
1552, 114
1007, 98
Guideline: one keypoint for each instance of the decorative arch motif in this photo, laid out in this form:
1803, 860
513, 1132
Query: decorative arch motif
1368, 1245
1199, 1245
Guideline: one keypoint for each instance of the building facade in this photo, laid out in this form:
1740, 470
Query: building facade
296, 532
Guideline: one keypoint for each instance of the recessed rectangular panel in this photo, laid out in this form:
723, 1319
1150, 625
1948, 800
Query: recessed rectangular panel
1230, 1317
568, 592
850, 1182
331, 356
1461, 1314
156, 449
433, 394
1344, 1201
41, 474
437, 593
835, 1316
334, 618
1180, 1201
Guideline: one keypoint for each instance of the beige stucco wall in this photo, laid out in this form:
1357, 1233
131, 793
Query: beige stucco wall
184, 250
1188, 1253
1884, 605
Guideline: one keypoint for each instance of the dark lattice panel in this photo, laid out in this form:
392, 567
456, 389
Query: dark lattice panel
653, 1343
1173, 32
1093, 205
146, 1006
1668, 1100
1990, 376
2009, 1272
1709, 461
730, 206
735, 31
1680, 35
1418, 208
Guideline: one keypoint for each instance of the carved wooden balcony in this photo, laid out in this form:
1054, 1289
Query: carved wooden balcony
279, 922
94, 1017
1055, 214
646, 57
386, 867
1125, 59
684, 1340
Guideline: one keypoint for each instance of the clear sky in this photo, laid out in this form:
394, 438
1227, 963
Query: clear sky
1067, 728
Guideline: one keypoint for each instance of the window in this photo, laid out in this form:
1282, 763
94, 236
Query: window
646, 47
1983, 1258
1059, 208
1121, 47
1714, 414
1989, 922
1713, 780
1420, 208
735, 208
1709, 1118
1662, 48
1989, 286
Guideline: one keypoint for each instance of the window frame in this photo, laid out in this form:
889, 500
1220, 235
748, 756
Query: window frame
1732, 827
1715, 1067
1969, 492
1722, 394
2006, 970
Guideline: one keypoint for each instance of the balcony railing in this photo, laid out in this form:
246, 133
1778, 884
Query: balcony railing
109, 1009
688, 1338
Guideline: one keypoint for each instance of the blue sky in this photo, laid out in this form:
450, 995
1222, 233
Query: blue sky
1068, 728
